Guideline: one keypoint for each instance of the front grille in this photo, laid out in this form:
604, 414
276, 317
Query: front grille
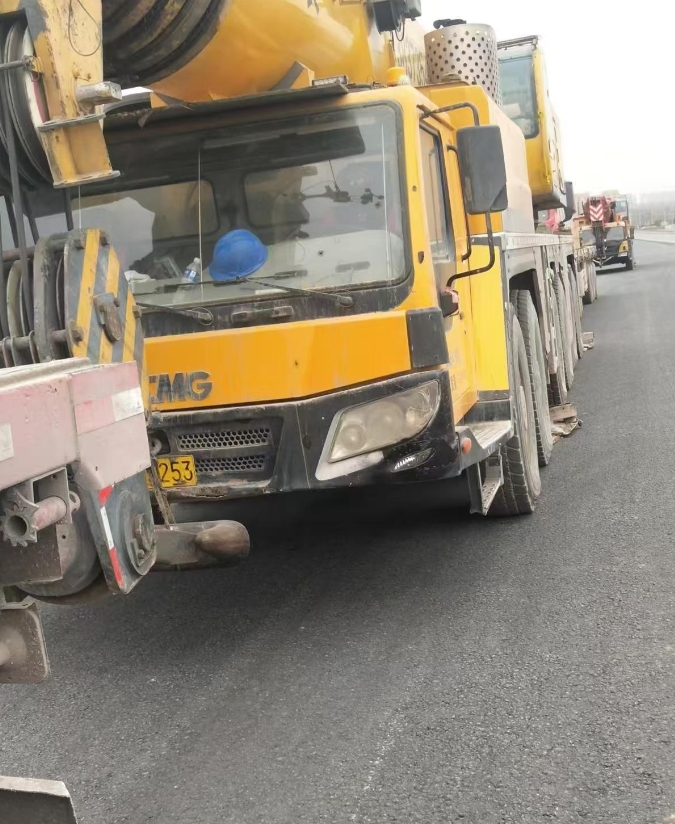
224, 439
246, 449
239, 463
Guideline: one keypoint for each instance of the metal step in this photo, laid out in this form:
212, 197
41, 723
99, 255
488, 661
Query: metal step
491, 432
483, 491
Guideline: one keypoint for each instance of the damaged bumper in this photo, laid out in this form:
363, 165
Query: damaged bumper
268, 448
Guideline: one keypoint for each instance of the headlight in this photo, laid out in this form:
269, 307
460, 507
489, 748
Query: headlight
385, 422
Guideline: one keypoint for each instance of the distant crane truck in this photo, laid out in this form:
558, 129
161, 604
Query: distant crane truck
606, 224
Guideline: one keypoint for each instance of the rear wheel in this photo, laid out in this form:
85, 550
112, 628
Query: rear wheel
576, 310
558, 387
569, 317
522, 481
592, 286
594, 272
536, 362
564, 320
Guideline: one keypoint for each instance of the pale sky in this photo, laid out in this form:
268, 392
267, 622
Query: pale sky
611, 68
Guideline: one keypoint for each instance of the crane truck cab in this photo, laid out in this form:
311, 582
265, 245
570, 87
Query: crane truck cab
527, 102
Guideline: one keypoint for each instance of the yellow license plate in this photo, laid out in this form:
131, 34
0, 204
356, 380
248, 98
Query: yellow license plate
177, 471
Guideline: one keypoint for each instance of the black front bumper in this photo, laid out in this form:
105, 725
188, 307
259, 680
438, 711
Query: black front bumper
253, 450
611, 255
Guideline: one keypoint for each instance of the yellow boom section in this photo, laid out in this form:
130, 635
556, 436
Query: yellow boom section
186, 50
261, 44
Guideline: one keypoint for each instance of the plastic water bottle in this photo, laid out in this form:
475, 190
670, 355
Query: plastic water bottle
194, 271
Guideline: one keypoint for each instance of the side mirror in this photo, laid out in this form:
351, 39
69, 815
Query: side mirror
570, 201
483, 169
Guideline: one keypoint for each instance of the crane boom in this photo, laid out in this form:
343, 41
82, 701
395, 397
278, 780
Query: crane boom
63, 59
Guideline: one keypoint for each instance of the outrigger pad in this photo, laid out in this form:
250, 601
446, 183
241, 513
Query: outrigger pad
33, 801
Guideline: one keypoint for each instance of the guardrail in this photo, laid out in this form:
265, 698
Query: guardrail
655, 235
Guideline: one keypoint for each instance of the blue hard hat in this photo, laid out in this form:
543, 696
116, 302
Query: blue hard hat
238, 254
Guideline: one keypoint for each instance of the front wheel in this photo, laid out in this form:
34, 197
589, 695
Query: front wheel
630, 263
522, 482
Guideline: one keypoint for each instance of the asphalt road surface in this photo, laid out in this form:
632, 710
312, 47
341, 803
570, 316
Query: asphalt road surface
385, 658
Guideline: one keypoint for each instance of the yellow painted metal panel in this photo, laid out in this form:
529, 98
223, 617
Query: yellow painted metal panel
264, 39
460, 338
111, 287
464, 404
539, 165
295, 360
543, 150
489, 331
86, 307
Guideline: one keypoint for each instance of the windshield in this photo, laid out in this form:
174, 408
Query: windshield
621, 207
587, 237
322, 193
615, 233
518, 95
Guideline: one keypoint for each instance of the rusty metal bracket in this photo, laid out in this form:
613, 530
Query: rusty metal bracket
109, 317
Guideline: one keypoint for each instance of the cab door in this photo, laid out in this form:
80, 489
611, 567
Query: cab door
443, 249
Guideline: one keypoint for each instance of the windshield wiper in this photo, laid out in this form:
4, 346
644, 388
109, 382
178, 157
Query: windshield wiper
204, 316
342, 300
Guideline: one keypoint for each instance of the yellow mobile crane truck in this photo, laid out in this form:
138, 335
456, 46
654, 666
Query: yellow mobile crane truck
318, 250
326, 274
336, 272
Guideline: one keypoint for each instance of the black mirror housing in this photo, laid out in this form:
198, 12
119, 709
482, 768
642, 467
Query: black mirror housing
571, 203
483, 169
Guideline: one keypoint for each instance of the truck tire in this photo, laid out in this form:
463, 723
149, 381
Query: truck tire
569, 316
522, 481
592, 287
595, 281
564, 319
536, 362
630, 263
576, 311
557, 390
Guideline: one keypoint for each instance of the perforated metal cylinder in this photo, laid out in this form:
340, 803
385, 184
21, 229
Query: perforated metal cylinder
467, 51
